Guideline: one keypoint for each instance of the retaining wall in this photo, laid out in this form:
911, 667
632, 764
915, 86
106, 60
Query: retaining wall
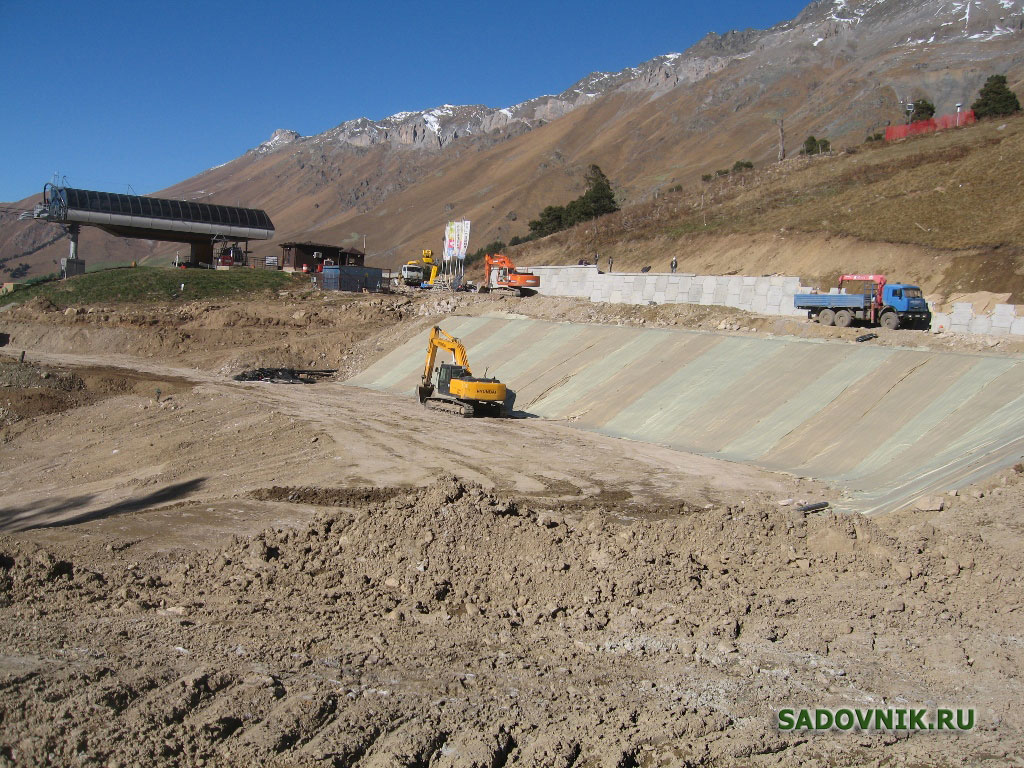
764, 295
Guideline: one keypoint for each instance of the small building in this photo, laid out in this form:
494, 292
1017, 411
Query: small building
351, 278
311, 257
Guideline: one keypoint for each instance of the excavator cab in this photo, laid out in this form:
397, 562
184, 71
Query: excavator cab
445, 373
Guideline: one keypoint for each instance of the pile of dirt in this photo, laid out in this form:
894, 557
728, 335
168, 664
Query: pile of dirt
452, 626
28, 390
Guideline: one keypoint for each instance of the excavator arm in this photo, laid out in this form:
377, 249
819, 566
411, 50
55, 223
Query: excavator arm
440, 340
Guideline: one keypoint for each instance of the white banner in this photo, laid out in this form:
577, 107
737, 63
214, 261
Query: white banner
463, 240
449, 241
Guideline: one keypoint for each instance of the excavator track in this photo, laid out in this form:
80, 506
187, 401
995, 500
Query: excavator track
450, 406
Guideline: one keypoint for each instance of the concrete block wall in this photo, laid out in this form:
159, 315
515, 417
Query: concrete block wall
763, 295
767, 295
1004, 320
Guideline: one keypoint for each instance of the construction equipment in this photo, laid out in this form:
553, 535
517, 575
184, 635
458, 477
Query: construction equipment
501, 276
430, 268
456, 389
412, 273
869, 299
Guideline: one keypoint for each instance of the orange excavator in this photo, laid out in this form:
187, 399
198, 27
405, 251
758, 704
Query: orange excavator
501, 276
456, 390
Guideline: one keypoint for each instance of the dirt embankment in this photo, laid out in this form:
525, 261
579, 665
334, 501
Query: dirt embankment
451, 626
348, 332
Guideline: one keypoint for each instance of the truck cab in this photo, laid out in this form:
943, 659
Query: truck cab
904, 297
412, 273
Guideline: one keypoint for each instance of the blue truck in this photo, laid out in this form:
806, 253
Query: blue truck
869, 300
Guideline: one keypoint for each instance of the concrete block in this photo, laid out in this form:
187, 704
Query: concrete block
746, 294
1004, 310
674, 279
759, 304
980, 324
940, 321
1000, 330
710, 283
695, 292
749, 280
672, 292
658, 297
615, 297
707, 298
777, 280
720, 294
761, 287
999, 321
1017, 326
684, 283
647, 289
661, 282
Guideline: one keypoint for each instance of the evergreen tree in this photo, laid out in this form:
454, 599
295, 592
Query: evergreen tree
995, 99
597, 200
923, 110
549, 221
599, 197
810, 146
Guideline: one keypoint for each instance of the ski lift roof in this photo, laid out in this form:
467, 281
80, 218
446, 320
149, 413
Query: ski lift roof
113, 211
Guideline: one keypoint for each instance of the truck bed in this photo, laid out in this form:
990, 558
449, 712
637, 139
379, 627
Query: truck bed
830, 300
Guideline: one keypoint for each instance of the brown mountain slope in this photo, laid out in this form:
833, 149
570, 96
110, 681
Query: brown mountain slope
840, 70
941, 210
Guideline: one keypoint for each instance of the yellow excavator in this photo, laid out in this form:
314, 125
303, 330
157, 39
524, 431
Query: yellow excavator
456, 389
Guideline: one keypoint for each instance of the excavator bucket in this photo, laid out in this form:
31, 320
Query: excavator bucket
423, 391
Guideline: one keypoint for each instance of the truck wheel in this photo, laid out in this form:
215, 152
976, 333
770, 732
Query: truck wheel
826, 317
843, 318
890, 320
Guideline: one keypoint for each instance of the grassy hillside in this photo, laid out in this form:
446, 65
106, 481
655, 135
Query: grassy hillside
150, 284
943, 210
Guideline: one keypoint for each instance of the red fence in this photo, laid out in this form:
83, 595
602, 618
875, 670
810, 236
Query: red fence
894, 132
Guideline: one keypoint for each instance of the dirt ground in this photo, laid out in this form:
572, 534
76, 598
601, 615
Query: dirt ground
198, 571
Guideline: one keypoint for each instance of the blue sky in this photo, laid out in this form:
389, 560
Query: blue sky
112, 94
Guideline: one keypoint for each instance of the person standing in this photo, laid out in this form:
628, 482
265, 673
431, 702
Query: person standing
674, 264
610, 260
